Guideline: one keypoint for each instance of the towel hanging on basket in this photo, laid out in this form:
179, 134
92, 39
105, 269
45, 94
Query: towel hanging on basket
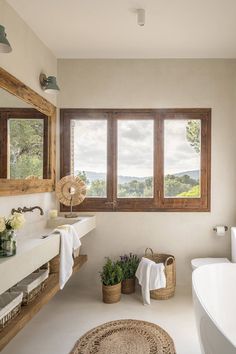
170, 272
150, 276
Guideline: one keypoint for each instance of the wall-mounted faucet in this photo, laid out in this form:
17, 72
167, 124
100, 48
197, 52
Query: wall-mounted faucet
25, 210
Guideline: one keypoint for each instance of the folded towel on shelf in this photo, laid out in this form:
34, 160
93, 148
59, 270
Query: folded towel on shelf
69, 242
150, 276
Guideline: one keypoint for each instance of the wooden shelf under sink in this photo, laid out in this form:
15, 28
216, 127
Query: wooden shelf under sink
28, 312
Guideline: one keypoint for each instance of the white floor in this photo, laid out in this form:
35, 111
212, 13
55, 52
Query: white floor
74, 311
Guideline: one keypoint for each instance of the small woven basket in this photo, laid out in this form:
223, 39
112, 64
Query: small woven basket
10, 306
170, 272
29, 297
32, 285
10, 316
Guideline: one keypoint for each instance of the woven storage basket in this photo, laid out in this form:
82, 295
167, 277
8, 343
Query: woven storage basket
170, 272
32, 285
10, 306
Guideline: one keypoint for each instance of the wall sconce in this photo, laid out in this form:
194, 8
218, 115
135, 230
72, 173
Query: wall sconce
48, 84
5, 46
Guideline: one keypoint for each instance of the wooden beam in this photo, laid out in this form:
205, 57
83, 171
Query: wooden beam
79, 261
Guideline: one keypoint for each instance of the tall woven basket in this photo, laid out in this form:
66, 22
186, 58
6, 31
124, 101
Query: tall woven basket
170, 272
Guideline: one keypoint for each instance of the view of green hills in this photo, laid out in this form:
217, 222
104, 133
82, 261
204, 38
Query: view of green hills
182, 184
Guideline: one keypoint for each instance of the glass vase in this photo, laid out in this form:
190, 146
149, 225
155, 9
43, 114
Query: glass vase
7, 243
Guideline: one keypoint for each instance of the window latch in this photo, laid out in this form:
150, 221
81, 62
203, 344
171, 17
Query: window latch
113, 203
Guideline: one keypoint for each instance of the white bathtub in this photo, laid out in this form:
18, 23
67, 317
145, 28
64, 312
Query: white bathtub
214, 295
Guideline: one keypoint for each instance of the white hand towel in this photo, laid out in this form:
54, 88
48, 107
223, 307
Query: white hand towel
143, 275
69, 241
151, 276
157, 276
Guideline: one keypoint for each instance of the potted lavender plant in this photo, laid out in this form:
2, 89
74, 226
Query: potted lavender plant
129, 264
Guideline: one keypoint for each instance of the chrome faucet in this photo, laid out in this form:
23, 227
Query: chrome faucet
25, 210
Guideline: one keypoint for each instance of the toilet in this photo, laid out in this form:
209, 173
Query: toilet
198, 262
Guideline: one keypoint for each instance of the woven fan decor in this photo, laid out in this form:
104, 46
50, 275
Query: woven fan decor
125, 337
71, 190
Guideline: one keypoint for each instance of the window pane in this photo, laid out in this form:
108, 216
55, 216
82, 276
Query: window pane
135, 159
25, 137
89, 154
182, 158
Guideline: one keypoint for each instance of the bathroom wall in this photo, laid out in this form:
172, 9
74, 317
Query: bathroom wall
29, 55
28, 58
161, 84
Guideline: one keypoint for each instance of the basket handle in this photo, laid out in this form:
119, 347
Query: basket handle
147, 250
170, 258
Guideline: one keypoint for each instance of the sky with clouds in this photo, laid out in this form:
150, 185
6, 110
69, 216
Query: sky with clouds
179, 154
135, 147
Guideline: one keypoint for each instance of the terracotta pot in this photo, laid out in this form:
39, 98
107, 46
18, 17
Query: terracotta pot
128, 286
111, 293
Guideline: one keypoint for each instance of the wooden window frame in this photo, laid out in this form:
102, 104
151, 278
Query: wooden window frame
21, 113
158, 202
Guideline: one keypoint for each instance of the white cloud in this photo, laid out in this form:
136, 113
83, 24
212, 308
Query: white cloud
135, 147
90, 145
179, 154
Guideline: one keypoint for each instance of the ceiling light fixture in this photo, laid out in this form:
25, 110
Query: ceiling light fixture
5, 46
141, 17
48, 84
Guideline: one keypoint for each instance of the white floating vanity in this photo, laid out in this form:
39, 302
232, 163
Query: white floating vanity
32, 252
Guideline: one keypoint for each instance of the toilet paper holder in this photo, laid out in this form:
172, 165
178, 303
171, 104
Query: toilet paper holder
215, 228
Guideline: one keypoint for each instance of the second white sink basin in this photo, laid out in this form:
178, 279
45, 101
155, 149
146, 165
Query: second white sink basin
83, 223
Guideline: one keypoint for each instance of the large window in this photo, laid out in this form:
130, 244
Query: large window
139, 160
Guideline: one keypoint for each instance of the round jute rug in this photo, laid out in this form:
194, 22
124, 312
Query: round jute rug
125, 337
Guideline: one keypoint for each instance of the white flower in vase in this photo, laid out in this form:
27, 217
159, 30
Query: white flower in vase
16, 221
2, 224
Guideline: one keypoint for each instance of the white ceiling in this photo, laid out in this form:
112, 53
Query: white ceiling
108, 28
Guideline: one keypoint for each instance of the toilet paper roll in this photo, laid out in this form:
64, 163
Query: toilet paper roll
233, 244
220, 230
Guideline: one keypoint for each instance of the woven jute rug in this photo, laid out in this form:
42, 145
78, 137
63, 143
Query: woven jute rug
125, 337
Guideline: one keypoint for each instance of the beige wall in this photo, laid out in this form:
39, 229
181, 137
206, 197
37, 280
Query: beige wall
166, 84
28, 58
29, 55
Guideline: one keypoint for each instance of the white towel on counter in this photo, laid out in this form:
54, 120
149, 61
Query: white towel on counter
151, 276
69, 242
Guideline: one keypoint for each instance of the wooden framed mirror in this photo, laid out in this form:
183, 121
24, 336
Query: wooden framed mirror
27, 139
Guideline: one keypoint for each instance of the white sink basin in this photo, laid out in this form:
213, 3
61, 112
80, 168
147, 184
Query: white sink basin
83, 223
34, 251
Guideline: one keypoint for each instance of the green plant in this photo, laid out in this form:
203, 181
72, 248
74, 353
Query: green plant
111, 273
129, 265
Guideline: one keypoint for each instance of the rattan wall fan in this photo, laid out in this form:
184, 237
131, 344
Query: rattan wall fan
70, 191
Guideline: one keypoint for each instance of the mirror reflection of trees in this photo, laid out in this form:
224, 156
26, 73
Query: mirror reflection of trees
26, 148
24, 144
